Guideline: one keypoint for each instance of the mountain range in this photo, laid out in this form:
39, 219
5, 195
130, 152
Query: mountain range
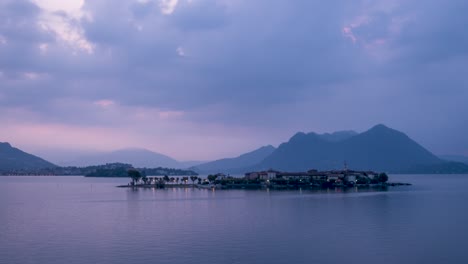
379, 148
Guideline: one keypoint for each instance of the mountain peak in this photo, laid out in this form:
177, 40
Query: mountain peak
266, 147
298, 135
380, 127
383, 129
5, 145
134, 149
12, 158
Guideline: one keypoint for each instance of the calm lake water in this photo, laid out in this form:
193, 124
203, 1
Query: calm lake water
88, 220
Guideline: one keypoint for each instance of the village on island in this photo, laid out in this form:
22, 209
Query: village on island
269, 179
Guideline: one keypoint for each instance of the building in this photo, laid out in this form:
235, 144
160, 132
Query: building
350, 178
262, 175
251, 175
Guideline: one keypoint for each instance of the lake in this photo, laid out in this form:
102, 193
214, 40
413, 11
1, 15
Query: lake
88, 220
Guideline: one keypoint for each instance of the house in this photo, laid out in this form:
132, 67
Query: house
370, 174
220, 176
251, 175
350, 178
318, 177
263, 175
335, 177
271, 174
295, 175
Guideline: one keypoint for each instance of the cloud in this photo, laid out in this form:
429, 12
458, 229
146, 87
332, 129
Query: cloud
260, 67
168, 6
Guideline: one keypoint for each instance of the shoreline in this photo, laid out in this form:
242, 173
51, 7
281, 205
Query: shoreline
263, 186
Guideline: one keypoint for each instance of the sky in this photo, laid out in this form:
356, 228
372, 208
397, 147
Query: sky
206, 79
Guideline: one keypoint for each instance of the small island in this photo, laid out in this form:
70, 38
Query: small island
270, 179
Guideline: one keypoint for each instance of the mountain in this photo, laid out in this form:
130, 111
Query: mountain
456, 158
236, 165
14, 159
137, 157
380, 149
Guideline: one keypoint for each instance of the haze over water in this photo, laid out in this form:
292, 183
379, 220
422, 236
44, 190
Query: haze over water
88, 220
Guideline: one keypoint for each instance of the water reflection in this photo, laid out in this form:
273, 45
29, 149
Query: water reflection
79, 220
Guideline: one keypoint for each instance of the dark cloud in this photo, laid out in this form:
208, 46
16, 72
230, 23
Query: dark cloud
308, 65
20, 9
141, 10
433, 32
200, 16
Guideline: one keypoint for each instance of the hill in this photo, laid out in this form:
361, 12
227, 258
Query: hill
456, 158
15, 159
237, 164
137, 157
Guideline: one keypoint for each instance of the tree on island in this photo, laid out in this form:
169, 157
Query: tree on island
383, 177
135, 175
185, 179
166, 178
211, 178
177, 180
193, 179
144, 179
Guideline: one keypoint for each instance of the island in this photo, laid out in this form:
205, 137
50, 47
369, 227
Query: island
270, 179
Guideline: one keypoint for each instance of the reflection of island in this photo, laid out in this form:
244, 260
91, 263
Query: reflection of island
269, 180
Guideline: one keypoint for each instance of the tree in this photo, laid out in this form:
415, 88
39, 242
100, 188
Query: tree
166, 178
135, 175
177, 179
185, 179
212, 178
193, 178
362, 180
144, 179
172, 179
383, 177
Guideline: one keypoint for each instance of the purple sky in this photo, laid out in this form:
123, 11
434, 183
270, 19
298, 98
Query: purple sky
205, 79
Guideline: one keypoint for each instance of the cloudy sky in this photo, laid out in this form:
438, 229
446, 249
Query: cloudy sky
204, 79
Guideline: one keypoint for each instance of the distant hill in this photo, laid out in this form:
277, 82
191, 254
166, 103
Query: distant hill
137, 157
456, 158
235, 165
380, 148
14, 159
188, 164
